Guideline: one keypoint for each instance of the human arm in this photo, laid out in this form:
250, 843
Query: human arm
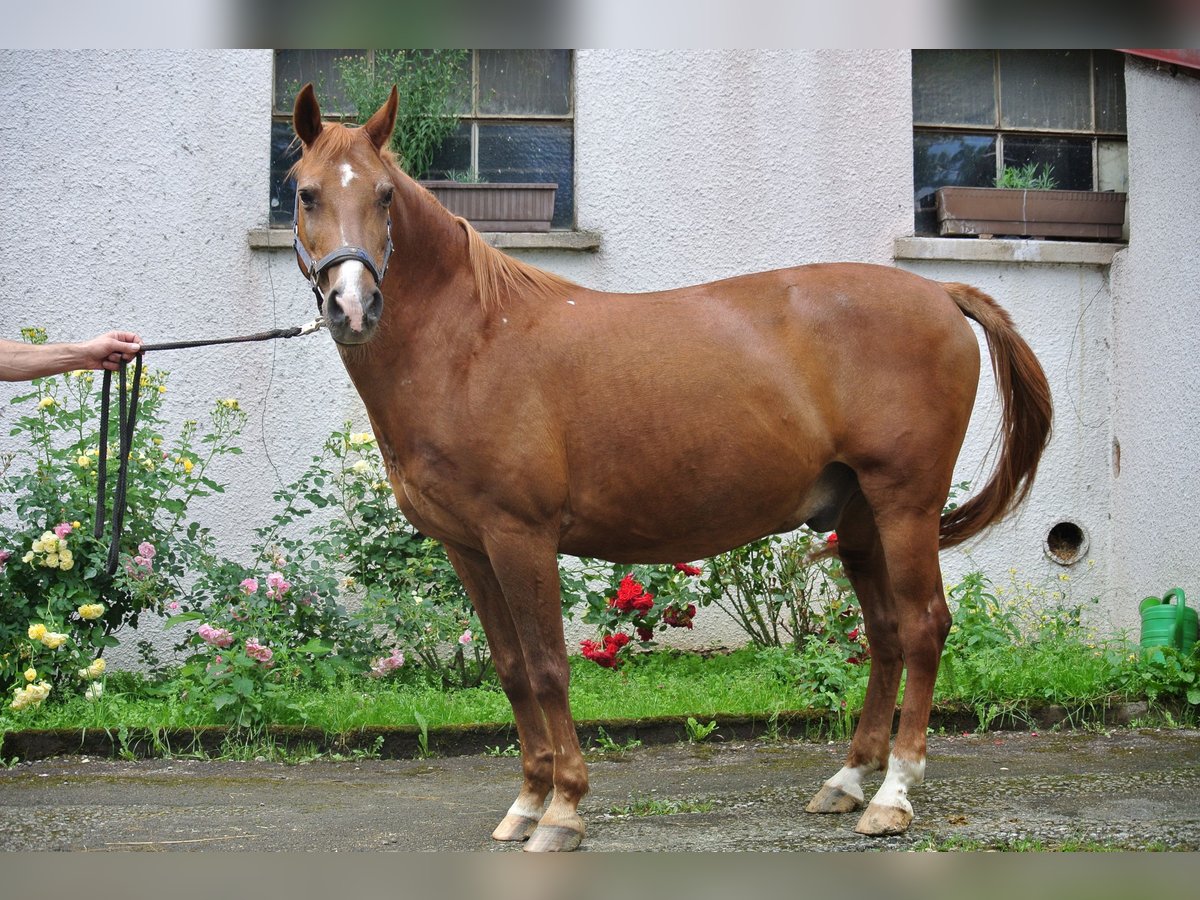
21, 362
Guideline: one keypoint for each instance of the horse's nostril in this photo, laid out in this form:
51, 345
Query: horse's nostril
375, 306
333, 306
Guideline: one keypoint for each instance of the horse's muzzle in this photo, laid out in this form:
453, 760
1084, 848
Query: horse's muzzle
353, 319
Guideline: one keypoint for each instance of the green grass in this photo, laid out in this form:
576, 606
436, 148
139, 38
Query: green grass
703, 687
641, 805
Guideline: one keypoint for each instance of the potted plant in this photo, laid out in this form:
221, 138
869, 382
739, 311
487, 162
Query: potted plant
1025, 203
496, 206
430, 85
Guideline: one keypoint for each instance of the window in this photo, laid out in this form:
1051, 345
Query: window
516, 124
977, 112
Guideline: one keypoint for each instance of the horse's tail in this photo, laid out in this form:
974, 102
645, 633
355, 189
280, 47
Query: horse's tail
1025, 398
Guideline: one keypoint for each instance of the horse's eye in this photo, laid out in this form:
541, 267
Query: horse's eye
385, 199
308, 198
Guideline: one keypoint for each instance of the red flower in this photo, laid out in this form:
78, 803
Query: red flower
632, 597
644, 633
831, 538
605, 656
680, 618
687, 569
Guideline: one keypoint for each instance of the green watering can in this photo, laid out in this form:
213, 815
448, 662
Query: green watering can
1167, 624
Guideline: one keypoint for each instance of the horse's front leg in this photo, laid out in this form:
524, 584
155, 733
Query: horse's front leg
537, 755
526, 566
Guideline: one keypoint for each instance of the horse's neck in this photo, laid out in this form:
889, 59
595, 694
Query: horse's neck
431, 308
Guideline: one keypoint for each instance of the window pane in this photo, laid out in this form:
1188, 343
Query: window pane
1071, 159
525, 82
532, 153
948, 159
954, 87
1112, 158
454, 155
295, 68
285, 150
1109, 69
1046, 89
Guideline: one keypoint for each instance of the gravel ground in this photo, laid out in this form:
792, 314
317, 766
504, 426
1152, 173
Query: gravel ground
1128, 789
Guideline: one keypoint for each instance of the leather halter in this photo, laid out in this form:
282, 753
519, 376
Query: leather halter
314, 270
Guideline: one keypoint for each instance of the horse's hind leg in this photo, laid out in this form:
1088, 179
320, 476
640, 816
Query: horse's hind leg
862, 558
537, 754
908, 534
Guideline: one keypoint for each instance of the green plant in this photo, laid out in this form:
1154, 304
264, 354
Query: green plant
698, 733
1027, 177
465, 176
641, 806
777, 588
432, 86
607, 744
52, 567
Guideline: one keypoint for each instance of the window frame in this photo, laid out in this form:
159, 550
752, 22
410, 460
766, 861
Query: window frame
473, 118
1002, 132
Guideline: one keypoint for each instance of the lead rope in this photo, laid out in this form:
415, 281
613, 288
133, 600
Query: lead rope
127, 420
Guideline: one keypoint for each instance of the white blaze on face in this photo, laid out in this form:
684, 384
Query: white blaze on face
351, 283
348, 174
901, 775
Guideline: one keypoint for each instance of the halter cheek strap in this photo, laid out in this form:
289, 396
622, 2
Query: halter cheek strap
314, 270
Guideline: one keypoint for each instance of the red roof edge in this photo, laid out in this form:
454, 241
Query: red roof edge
1189, 59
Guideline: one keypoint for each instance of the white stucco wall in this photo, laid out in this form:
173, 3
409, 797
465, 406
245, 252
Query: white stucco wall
1156, 335
130, 179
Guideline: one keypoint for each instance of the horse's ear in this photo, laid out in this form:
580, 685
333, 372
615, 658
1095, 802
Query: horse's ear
306, 115
380, 126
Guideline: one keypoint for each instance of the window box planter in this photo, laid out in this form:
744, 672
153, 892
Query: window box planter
989, 212
498, 207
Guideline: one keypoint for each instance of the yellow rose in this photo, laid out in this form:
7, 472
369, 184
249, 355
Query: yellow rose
52, 640
39, 546
187, 466
51, 561
30, 674
91, 611
96, 669
37, 632
75, 524
46, 402
83, 461
28, 557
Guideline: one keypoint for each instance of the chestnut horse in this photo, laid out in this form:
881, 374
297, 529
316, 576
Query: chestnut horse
520, 416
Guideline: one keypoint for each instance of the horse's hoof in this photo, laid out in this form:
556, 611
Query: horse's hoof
514, 827
831, 799
880, 820
554, 839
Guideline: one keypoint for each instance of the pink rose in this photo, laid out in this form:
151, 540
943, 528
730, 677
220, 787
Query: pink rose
386, 664
217, 637
146, 549
257, 651
249, 586
277, 585
466, 637
62, 529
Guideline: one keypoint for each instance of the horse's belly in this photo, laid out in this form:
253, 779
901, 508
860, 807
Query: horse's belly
694, 516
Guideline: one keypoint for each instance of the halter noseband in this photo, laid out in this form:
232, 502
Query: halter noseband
314, 270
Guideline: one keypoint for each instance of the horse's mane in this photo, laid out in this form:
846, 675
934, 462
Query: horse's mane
499, 276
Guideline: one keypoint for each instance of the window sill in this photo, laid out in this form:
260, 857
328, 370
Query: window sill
1083, 253
587, 241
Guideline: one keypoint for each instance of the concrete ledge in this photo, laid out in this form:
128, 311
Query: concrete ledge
588, 241
408, 742
1083, 253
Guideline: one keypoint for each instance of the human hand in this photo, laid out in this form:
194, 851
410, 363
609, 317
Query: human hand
107, 351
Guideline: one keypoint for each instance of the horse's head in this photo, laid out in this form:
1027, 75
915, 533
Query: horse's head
343, 201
